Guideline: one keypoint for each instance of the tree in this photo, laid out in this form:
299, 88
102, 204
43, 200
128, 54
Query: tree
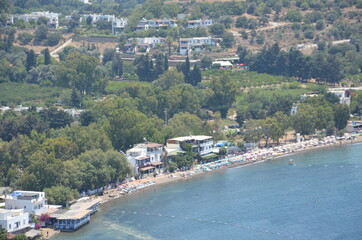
206, 62
227, 39
53, 38
341, 115
40, 33
185, 68
127, 127
25, 38
117, 65
30, 60
108, 55
217, 29
60, 195
169, 79
223, 151
242, 53
303, 121
3, 232
224, 94
75, 98
56, 118
294, 16
86, 118
47, 59
165, 65
5, 6
252, 131
195, 75
73, 22
89, 20
42, 20
82, 72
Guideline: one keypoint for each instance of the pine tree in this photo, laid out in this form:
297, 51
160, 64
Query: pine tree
30, 60
47, 59
159, 65
117, 65
75, 98
195, 75
165, 65
186, 70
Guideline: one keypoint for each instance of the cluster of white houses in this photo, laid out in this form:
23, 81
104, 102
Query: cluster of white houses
118, 24
146, 158
22, 206
186, 45
53, 18
134, 45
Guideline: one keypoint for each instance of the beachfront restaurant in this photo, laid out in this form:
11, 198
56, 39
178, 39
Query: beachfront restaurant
71, 220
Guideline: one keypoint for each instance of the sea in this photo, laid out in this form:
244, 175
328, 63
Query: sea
320, 197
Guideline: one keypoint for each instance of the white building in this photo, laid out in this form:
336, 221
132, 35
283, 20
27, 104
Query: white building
201, 145
32, 202
342, 94
134, 45
118, 25
146, 157
145, 24
14, 220
77, 215
187, 45
53, 18
199, 23
96, 17
85, 1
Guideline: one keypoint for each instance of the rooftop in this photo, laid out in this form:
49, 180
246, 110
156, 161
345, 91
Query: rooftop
85, 203
199, 137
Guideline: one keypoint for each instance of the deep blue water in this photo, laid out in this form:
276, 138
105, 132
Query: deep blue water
318, 198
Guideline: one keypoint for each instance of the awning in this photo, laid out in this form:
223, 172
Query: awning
146, 168
157, 163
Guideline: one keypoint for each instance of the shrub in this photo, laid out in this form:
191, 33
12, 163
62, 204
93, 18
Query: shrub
25, 38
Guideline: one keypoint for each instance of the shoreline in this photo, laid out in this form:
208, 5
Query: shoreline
166, 179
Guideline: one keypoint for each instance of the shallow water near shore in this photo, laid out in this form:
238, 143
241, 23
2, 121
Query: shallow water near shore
318, 198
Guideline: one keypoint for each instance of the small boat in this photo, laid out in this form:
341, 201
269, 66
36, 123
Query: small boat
291, 162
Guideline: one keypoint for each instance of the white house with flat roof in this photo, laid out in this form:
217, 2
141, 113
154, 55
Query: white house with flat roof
118, 25
186, 45
342, 94
14, 220
53, 18
199, 23
32, 202
97, 17
146, 157
201, 145
145, 24
134, 45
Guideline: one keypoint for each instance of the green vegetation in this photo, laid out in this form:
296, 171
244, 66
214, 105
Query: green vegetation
19, 93
247, 79
48, 150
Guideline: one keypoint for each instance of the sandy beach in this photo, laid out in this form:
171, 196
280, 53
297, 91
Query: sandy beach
257, 156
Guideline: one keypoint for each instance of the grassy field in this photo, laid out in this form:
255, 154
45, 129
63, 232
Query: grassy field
116, 86
247, 79
22, 93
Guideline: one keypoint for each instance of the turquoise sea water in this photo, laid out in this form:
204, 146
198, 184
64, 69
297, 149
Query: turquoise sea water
318, 198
